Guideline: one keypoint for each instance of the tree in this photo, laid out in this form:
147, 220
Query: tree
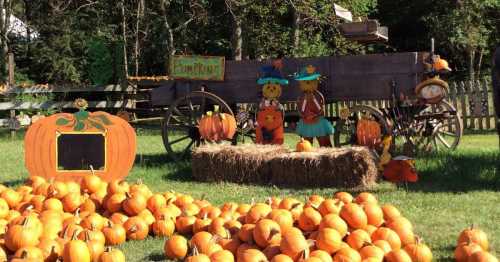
5, 12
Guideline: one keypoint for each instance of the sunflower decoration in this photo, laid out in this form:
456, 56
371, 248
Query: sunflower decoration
81, 104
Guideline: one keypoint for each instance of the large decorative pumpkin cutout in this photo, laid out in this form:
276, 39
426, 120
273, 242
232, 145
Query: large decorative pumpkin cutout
70, 146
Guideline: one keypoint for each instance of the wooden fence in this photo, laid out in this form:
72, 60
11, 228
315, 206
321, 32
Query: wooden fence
473, 100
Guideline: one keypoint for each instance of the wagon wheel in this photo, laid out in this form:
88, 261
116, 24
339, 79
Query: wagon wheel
437, 127
245, 120
180, 127
345, 129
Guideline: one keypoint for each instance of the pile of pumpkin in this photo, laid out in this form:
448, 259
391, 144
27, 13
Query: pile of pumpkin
53, 220
473, 246
341, 228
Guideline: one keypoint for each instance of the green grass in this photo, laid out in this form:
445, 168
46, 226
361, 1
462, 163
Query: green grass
455, 189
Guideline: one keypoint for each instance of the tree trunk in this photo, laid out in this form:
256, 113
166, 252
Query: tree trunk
495, 75
169, 41
124, 38
237, 41
471, 53
296, 32
5, 11
480, 63
140, 6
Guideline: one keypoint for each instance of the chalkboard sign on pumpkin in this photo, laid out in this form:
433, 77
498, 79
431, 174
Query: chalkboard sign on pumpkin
70, 146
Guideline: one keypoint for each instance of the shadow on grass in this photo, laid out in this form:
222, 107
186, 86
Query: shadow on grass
14, 183
175, 170
155, 256
458, 172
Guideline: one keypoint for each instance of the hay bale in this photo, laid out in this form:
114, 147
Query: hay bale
247, 163
326, 167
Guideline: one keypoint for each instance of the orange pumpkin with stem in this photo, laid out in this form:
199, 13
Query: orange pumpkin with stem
176, 247
76, 250
387, 234
303, 146
222, 256
358, 238
419, 252
21, 235
309, 220
136, 228
41, 143
465, 249
112, 255
266, 232
354, 215
336, 222
115, 234
475, 235
293, 243
217, 126
347, 254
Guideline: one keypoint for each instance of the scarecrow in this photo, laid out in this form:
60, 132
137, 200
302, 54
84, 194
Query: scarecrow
311, 108
269, 128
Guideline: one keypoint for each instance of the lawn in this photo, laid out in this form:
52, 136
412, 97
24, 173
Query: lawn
455, 190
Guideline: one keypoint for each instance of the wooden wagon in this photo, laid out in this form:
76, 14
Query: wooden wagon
392, 77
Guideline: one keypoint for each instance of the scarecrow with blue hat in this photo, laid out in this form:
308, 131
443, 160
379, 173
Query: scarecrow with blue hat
269, 128
311, 108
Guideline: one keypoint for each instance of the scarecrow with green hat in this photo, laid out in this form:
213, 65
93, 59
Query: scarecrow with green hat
311, 108
269, 128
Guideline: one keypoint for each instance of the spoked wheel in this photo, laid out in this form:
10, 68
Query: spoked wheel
345, 129
437, 127
245, 120
180, 127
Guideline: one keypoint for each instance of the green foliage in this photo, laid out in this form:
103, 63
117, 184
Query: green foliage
100, 62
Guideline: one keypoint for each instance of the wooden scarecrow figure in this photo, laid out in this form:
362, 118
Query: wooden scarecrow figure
269, 128
311, 108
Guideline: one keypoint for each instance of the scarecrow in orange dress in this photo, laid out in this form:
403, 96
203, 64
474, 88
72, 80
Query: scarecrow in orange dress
311, 108
269, 128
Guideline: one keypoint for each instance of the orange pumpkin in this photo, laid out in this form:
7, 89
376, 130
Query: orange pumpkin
217, 127
329, 240
136, 228
222, 256
475, 235
303, 146
176, 247
419, 252
465, 249
41, 144
354, 215
112, 255
266, 232
368, 132
347, 254
293, 243
482, 256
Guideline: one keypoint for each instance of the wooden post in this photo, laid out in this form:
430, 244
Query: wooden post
11, 68
12, 129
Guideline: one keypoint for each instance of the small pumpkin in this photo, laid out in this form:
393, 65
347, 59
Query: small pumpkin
222, 256
358, 238
112, 255
76, 250
347, 254
329, 240
115, 234
293, 243
163, 227
397, 255
134, 204
474, 235
354, 215
419, 252
216, 127
309, 220
21, 235
303, 146
176, 247
336, 222
387, 234
465, 249
267, 232
136, 228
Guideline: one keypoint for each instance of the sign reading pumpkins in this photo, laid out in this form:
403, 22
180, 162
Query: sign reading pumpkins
197, 67
70, 146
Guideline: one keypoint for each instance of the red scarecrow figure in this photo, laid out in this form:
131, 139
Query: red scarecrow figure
311, 108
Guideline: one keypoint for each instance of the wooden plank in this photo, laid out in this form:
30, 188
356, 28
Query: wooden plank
463, 104
51, 105
452, 98
484, 85
479, 94
470, 96
67, 89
